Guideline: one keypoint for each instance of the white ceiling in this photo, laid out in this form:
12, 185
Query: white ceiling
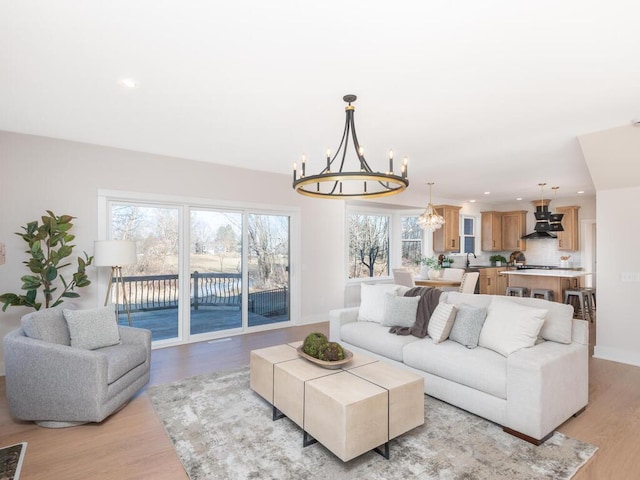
482, 96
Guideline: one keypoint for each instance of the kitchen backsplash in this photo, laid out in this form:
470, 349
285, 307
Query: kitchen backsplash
538, 252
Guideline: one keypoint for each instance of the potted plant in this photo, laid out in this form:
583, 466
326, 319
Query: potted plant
433, 266
49, 248
497, 260
447, 262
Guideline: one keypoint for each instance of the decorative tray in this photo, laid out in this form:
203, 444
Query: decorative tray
324, 363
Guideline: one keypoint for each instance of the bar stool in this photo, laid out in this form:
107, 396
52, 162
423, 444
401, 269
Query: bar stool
517, 291
584, 300
542, 292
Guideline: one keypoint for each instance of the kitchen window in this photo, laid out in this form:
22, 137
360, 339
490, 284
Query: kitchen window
468, 229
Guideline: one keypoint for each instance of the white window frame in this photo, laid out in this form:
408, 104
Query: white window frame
105, 197
463, 236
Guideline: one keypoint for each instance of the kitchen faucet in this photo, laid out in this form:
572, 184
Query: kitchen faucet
470, 253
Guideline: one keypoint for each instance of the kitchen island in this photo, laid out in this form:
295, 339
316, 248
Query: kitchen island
556, 280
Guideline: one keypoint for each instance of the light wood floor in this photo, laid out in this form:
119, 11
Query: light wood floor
131, 444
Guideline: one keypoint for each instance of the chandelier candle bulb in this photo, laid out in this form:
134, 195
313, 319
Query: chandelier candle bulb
390, 161
304, 163
295, 167
328, 160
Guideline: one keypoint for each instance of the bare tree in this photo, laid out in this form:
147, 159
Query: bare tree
368, 244
226, 242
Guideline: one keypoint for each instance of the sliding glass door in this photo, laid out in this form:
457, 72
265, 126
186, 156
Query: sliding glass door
202, 271
268, 268
152, 285
215, 263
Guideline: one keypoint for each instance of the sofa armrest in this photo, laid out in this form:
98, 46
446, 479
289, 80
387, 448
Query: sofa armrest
339, 317
43, 373
136, 336
580, 332
546, 384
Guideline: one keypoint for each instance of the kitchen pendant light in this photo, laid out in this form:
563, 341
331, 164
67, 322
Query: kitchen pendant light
430, 220
542, 213
555, 219
362, 182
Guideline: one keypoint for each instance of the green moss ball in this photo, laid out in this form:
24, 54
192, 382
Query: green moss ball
331, 352
313, 342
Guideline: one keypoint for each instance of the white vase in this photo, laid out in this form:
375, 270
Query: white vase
435, 274
424, 271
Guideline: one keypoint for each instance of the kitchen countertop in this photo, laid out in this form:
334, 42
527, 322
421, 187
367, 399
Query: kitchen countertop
548, 273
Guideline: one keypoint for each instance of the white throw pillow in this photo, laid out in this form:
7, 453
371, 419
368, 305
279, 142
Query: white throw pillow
372, 301
441, 322
91, 329
510, 327
399, 311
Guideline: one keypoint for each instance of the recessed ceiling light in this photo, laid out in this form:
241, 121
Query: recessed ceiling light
487, 193
472, 201
128, 83
580, 191
519, 198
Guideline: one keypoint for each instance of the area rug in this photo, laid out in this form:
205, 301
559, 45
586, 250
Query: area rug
11, 461
221, 429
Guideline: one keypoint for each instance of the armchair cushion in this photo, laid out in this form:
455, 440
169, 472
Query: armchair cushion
48, 325
94, 328
122, 359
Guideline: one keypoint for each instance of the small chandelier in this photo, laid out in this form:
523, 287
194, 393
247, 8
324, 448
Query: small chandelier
363, 182
430, 220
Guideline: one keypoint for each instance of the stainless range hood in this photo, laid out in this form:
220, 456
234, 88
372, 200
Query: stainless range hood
541, 230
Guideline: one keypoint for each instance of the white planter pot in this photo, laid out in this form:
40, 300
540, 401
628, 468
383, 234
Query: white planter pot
435, 274
424, 271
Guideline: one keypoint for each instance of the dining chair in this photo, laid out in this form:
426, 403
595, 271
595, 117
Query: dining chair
402, 276
469, 281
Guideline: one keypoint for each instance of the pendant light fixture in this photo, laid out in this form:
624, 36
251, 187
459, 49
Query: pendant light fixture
542, 213
555, 219
335, 181
430, 220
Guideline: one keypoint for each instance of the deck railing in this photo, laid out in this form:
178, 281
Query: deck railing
160, 292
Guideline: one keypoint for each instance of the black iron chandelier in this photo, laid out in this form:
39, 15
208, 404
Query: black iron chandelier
336, 182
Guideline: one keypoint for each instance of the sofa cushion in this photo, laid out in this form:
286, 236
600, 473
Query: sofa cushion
93, 328
441, 322
375, 338
48, 325
399, 311
479, 368
510, 327
468, 325
558, 321
122, 359
372, 298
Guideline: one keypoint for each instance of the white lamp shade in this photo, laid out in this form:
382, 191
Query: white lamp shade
114, 253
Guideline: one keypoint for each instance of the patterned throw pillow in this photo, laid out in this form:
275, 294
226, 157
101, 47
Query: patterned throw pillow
468, 325
92, 329
441, 322
399, 311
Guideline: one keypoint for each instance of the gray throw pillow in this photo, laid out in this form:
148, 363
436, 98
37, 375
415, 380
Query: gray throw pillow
399, 311
91, 329
468, 325
48, 325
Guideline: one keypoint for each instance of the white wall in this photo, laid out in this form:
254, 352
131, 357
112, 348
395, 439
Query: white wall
39, 174
618, 318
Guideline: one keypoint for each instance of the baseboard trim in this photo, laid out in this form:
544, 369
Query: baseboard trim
617, 355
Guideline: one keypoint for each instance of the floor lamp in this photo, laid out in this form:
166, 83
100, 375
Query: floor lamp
115, 254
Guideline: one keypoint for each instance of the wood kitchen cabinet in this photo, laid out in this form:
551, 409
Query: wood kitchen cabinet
569, 240
492, 282
491, 226
514, 226
447, 238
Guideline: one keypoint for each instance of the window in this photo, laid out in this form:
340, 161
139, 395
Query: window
411, 243
468, 234
368, 245
202, 270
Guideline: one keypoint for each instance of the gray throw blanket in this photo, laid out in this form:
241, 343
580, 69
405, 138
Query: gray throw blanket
429, 298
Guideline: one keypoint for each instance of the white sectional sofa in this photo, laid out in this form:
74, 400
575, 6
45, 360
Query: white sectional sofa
529, 391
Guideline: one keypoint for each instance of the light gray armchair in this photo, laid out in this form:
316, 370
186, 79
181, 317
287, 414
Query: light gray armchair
57, 385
